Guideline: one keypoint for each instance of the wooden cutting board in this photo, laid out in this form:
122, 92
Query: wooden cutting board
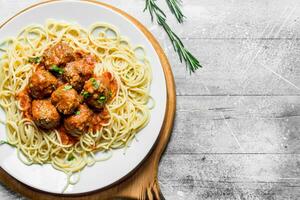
142, 182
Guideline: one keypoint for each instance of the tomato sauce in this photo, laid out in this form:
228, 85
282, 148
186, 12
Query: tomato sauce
111, 83
66, 138
98, 119
25, 102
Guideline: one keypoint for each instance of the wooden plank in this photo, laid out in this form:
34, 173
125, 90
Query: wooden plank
240, 19
236, 124
225, 191
240, 67
141, 182
203, 176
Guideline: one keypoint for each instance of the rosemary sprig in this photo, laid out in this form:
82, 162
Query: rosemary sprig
174, 6
190, 61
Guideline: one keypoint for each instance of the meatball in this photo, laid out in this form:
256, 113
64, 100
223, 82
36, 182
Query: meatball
78, 123
44, 114
77, 72
96, 92
42, 83
58, 54
66, 99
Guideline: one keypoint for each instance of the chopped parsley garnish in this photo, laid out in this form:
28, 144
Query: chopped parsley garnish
56, 69
68, 87
110, 93
85, 94
77, 112
70, 158
35, 59
95, 83
102, 99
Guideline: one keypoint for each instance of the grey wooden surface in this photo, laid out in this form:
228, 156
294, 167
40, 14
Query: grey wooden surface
237, 130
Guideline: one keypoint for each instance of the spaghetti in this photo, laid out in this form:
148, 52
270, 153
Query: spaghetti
129, 110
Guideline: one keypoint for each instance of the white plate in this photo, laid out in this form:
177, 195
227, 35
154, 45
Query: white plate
104, 173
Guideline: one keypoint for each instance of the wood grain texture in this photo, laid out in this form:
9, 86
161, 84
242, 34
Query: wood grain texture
142, 182
231, 176
241, 67
235, 99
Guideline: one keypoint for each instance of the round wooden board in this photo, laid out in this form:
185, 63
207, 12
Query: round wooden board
142, 182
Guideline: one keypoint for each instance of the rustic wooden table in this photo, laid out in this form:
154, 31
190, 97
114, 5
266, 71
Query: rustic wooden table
237, 130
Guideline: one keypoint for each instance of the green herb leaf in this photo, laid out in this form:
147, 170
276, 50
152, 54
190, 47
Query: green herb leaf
77, 112
85, 94
110, 93
95, 83
56, 69
35, 59
191, 61
174, 6
71, 157
101, 99
67, 87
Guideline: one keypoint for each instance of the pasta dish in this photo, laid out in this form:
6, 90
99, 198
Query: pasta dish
70, 93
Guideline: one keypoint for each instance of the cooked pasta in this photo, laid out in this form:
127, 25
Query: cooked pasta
128, 111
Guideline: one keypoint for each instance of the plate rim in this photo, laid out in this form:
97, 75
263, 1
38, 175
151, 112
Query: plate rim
170, 97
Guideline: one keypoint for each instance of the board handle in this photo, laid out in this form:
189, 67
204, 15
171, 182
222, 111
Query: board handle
153, 192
